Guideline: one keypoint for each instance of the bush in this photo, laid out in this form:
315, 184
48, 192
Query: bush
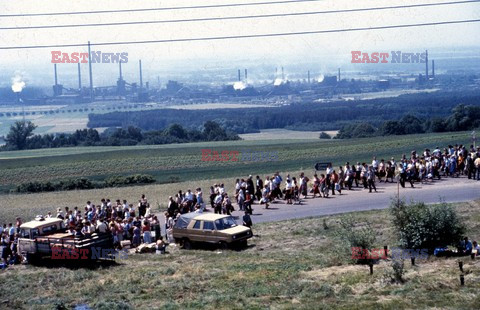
83, 183
396, 274
128, 180
324, 135
356, 236
426, 227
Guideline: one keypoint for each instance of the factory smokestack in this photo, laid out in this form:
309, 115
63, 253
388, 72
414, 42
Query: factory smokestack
55, 69
433, 68
276, 73
239, 75
308, 77
79, 77
120, 69
90, 72
141, 79
283, 75
426, 65
339, 76
246, 76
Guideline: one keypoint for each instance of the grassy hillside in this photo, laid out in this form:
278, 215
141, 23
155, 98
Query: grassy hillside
291, 264
183, 161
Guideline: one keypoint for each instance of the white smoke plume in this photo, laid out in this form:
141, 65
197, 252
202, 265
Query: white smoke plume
278, 82
17, 83
239, 85
321, 78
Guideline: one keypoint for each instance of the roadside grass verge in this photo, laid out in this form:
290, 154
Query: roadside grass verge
291, 264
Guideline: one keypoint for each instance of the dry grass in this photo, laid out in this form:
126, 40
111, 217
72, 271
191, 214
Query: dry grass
292, 264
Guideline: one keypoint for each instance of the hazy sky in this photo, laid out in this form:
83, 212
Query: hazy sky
328, 50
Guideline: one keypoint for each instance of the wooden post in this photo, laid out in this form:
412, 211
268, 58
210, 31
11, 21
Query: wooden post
460, 265
371, 266
462, 280
413, 261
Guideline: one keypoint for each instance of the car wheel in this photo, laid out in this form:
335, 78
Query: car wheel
186, 244
223, 245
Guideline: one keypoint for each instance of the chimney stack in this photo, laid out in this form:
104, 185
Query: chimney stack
426, 65
433, 68
55, 69
79, 77
246, 75
120, 69
308, 76
90, 72
339, 76
283, 75
239, 75
141, 80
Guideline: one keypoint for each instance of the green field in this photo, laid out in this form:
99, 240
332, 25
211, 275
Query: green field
183, 161
291, 264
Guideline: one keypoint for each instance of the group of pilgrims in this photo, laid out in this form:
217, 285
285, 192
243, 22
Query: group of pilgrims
139, 224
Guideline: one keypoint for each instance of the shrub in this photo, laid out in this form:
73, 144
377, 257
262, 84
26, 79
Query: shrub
396, 274
324, 135
115, 181
426, 227
355, 236
83, 183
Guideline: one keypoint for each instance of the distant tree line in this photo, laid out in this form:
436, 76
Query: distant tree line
21, 136
462, 117
297, 116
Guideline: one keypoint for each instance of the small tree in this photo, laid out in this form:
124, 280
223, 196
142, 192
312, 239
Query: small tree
19, 133
356, 236
420, 226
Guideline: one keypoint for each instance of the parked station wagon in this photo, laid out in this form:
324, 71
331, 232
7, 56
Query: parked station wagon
210, 228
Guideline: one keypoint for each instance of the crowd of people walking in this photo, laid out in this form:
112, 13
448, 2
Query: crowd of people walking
137, 223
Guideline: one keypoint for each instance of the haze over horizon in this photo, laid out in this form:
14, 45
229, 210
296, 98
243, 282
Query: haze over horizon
321, 53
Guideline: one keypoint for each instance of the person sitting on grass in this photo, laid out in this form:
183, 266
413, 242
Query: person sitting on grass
467, 246
161, 246
476, 248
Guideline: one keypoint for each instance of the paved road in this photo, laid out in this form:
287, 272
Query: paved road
449, 190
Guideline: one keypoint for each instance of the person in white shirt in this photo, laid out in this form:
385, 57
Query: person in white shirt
148, 211
221, 190
218, 203
101, 227
375, 164
288, 191
189, 195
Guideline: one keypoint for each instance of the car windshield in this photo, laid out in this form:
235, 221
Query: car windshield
225, 223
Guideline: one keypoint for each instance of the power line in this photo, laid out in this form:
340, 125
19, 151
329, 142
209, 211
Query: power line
161, 9
243, 36
239, 17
